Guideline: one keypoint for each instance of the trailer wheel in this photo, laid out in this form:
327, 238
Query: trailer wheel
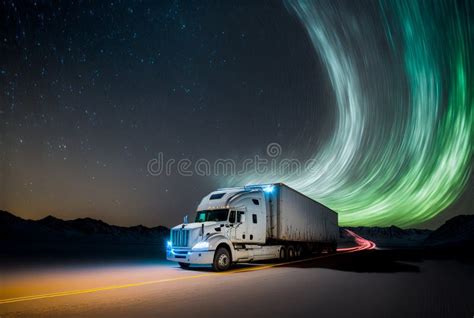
283, 254
184, 265
299, 251
221, 260
291, 252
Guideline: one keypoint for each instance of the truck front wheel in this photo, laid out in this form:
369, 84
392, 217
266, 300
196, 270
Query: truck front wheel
221, 260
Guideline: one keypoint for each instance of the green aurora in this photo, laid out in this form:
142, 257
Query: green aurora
401, 149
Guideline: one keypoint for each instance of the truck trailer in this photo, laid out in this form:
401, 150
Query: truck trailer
253, 223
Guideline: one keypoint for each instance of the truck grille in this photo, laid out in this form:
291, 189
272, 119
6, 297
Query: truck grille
179, 238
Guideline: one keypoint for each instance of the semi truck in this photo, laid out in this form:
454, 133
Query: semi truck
253, 223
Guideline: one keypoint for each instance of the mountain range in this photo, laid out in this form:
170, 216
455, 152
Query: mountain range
51, 239
84, 230
457, 231
17, 233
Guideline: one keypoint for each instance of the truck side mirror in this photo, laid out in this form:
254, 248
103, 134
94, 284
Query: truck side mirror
242, 218
185, 219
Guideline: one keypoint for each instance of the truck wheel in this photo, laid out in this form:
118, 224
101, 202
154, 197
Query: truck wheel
221, 260
299, 251
291, 252
283, 253
184, 265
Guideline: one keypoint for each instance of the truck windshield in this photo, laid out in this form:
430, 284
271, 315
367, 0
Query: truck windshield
212, 215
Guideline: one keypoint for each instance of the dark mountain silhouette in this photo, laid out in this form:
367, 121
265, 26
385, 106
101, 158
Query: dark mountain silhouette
455, 232
51, 229
85, 236
51, 239
392, 236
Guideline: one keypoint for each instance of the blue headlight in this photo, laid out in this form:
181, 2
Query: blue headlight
169, 244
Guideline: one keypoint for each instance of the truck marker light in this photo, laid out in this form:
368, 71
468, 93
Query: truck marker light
268, 189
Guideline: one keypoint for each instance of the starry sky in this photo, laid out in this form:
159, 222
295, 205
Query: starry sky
91, 91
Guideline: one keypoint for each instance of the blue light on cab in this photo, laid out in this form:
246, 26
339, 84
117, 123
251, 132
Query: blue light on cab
268, 189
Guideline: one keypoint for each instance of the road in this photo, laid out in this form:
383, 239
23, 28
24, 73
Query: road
355, 282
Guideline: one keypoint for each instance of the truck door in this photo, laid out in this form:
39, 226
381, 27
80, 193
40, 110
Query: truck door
233, 223
239, 229
256, 221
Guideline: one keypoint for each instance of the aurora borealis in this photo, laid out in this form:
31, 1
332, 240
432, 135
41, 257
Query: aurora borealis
401, 148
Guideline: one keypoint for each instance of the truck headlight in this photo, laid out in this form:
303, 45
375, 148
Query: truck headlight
169, 244
201, 246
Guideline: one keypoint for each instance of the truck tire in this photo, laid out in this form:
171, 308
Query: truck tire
184, 265
222, 260
299, 251
291, 252
283, 255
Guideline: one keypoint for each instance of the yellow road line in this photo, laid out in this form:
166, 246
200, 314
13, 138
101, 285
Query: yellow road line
93, 290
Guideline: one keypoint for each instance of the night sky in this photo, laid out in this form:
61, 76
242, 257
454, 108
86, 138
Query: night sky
91, 91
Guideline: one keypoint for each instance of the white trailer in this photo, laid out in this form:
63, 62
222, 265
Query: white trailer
256, 222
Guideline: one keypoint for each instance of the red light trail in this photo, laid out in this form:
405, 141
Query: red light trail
362, 244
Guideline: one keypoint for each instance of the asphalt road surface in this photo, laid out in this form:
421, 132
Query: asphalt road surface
359, 282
